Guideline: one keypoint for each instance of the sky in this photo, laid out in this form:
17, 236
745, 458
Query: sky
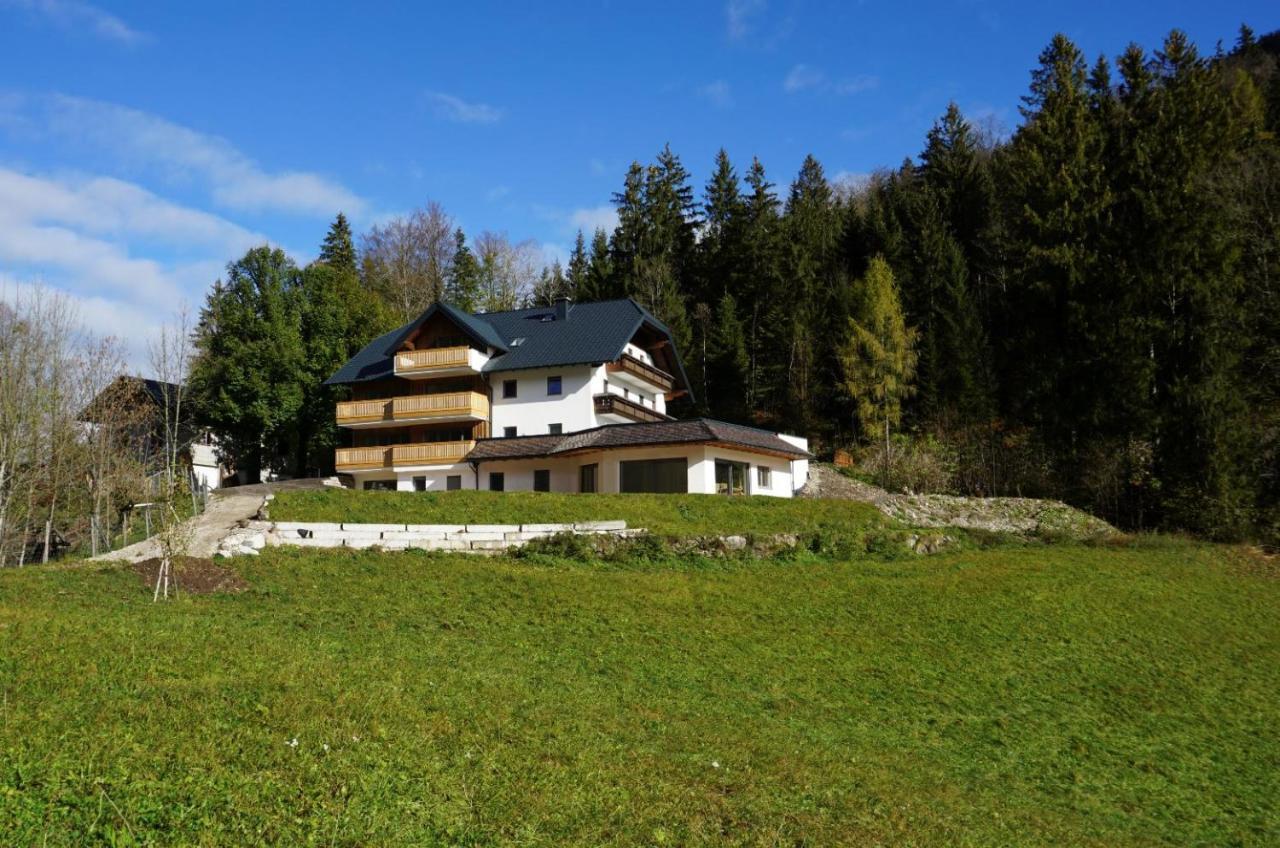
143, 146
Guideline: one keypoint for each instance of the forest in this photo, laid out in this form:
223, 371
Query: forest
1083, 308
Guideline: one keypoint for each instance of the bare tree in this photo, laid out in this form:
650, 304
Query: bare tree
170, 361
508, 272
407, 260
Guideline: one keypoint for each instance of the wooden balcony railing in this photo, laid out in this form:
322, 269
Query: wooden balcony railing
389, 456
611, 404
425, 453
363, 411
452, 406
628, 364
432, 359
353, 459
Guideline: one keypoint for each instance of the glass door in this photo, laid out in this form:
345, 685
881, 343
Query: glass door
731, 478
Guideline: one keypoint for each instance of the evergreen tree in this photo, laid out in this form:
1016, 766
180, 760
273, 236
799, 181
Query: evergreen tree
551, 286
728, 364
463, 286
338, 249
600, 277
249, 366
763, 302
579, 266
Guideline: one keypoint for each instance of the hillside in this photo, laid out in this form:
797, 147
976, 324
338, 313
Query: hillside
1117, 695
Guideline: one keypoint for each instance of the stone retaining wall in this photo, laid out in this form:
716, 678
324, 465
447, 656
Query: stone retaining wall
476, 538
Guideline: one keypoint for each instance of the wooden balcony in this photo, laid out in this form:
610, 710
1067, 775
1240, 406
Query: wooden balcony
619, 407
414, 409
634, 370
438, 362
390, 456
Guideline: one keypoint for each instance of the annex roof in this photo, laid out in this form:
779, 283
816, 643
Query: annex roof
609, 436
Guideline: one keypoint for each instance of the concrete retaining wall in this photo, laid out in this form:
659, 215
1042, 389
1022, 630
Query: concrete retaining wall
478, 538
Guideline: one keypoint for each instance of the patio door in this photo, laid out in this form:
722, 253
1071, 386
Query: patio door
731, 478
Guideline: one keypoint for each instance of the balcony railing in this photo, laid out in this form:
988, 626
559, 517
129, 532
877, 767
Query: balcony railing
611, 404
389, 456
628, 365
453, 406
425, 363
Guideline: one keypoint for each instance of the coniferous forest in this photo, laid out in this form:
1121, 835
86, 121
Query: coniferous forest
1087, 307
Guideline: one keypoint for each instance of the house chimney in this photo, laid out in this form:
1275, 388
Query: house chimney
562, 308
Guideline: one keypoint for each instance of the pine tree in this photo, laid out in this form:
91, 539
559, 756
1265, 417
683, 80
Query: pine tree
338, 250
579, 266
462, 289
728, 363
763, 301
600, 277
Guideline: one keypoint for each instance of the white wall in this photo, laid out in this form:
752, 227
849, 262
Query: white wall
436, 477
532, 411
799, 467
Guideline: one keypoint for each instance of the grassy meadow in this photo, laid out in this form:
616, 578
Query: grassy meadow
1021, 695
665, 515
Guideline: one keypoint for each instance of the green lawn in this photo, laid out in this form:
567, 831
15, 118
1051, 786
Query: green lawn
1037, 695
676, 515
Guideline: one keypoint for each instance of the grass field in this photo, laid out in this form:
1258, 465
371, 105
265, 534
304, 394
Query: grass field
1064, 695
674, 515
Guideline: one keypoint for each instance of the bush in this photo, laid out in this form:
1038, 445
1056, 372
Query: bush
907, 464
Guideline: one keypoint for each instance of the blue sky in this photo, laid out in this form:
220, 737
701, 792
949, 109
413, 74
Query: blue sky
142, 146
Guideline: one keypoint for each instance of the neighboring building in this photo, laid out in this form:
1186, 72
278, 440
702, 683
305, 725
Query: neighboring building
137, 405
567, 398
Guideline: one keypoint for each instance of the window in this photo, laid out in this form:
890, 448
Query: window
497, 481
587, 477
453, 482
508, 388
764, 477
419, 484
555, 429
553, 385
731, 478
664, 476
542, 480
380, 485
508, 432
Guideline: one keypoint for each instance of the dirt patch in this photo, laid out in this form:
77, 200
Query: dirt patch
826, 482
194, 575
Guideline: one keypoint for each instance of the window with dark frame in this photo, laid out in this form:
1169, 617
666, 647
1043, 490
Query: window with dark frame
508, 432
453, 483
542, 480
508, 388
553, 385
555, 429
497, 481
419, 484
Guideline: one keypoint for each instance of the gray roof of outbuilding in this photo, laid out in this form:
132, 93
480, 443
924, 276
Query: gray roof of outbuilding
613, 436
525, 338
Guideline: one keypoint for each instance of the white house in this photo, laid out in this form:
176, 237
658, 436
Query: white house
567, 398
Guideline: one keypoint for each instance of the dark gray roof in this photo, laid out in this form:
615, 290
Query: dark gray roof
608, 436
525, 338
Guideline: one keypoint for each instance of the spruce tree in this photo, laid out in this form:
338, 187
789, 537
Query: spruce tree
600, 277
462, 288
338, 250
579, 265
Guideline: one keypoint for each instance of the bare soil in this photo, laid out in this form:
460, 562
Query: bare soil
194, 575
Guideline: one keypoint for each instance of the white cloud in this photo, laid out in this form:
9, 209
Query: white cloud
805, 77
459, 111
128, 256
108, 206
497, 193
738, 15
594, 218
75, 15
150, 142
717, 93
